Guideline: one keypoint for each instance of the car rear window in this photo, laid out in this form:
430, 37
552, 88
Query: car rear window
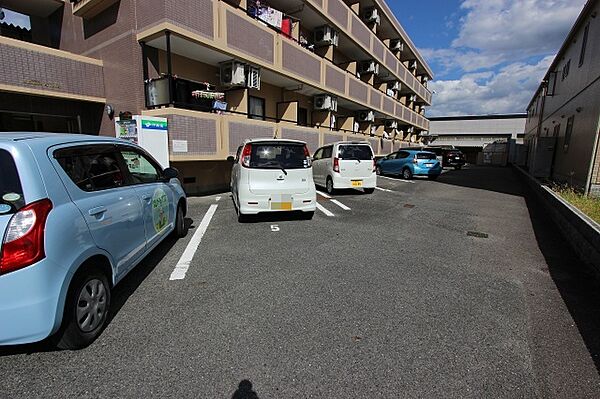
11, 191
278, 155
361, 152
425, 155
454, 153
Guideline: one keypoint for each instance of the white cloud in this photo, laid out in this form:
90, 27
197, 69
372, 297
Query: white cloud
506, 91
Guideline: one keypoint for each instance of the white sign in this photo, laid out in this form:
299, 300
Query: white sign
180, 146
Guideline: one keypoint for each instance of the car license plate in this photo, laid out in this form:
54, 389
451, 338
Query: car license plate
281, 206
429, 165
458, 158
357, 183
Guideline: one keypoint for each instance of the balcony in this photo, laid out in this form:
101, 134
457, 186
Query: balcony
90, 8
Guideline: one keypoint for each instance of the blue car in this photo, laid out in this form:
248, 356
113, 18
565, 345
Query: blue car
409, 163
77, 213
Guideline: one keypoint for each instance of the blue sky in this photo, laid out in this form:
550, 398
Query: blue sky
15, 18
488, 56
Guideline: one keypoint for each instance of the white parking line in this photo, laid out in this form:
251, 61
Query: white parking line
186, 259
384, 189
218, 199
325, 211
338, 203
396, 179
323, 194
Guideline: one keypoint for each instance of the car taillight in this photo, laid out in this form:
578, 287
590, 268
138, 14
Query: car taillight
23, 243
307, 157
336, 165
246, 153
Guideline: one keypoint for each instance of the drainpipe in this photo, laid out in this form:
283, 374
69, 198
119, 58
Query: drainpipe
169, 66
588, 182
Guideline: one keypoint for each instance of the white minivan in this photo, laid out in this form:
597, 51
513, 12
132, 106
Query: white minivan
345, 164
273, 175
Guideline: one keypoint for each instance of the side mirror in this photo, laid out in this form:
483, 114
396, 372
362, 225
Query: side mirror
230, 159
170, 173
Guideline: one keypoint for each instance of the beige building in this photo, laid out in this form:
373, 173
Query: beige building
219, 71
563, 118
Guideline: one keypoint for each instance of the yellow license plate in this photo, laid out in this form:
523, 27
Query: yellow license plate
283, 206
356, 183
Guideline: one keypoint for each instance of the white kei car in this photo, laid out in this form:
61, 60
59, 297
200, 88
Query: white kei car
273, 175
345, 164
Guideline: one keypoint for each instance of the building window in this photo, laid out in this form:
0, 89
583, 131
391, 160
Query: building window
303, 116
583, 44
256, 108
568, 132
566, 70
551, 84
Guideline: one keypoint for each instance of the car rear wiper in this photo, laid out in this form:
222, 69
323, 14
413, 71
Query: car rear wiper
356, 158
278, 164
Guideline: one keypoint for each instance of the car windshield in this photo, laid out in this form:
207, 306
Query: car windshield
11, 192
360, 152
425, 155
278, 155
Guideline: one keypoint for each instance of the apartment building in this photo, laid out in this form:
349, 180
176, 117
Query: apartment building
563, 117
219, 71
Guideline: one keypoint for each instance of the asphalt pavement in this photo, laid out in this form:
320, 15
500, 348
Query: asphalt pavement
459, 287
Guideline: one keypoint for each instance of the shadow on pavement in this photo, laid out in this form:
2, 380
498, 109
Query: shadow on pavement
120, 294
576, 284
245, 391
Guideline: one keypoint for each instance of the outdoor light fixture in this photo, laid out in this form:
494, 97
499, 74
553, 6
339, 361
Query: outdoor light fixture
110, 111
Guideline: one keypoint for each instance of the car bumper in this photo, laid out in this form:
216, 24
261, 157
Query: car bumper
424, 171
454, 163
29, 300
252, 204
340, 182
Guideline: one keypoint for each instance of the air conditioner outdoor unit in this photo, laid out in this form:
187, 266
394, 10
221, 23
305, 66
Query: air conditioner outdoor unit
325, 35
390, 92
365, 116
410, 130
367, 67
233, 73
372, 15
396, 85
391, 124
325, 102
412, 98
396, 45
412, 65
252, 77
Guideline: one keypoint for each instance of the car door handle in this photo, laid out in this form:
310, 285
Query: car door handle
281, 178
147, 198
97, 210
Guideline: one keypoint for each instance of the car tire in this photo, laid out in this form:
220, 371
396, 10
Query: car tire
378, 171
181, 229
89, 286
407, 174
329, 186
369, 190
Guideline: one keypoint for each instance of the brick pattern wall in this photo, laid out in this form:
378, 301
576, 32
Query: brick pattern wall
335, 79
375, 100
200, 133
195, 16
361, 32
240, 131
387, 146
329, 138
311, 138
391, 61
247, 38
298, 61
36, 70
399, 111
358, 90
339, 12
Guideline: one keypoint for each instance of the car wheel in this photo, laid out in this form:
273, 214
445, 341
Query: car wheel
407, 174
378, 171
86, 310
180, 230
369, 190
329, 186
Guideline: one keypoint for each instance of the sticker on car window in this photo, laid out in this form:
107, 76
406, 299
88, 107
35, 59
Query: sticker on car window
4, 208
11, 197
160, 210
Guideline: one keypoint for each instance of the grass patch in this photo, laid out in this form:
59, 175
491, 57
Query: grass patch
588, 205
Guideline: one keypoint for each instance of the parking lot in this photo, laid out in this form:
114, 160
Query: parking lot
457, 287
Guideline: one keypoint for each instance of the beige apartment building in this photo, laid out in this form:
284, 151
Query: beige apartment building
563, 118
219, 71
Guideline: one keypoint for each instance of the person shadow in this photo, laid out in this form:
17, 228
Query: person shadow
244, 391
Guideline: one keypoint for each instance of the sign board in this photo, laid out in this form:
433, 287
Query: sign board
149, 132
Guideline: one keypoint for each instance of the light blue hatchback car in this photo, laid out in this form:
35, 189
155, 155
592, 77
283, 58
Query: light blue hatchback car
77, 213
409, 163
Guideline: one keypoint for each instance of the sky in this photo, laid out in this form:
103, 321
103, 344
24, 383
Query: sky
487, 56
16, 18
